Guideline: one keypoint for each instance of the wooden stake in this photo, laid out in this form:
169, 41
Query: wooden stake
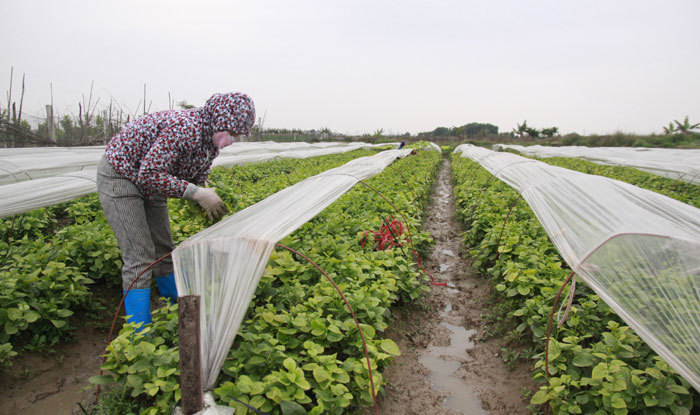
105, 126
49, 123
9, 93
21, 101
190, 363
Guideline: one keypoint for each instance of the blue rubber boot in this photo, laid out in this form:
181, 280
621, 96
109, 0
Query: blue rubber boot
138, 306
167, 287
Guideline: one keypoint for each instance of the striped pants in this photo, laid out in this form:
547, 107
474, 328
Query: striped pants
142, 226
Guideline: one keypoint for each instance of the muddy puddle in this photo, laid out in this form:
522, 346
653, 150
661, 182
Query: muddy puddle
444, 367
443, 362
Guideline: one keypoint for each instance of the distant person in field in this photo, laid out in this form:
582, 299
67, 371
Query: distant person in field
162, 155
403, 143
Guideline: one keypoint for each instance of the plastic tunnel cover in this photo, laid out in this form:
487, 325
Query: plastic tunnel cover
36, 177
638, 250
674, 163
224, 263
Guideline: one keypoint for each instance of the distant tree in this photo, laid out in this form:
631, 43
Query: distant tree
477, 129
670, 129
68, 129
441, 131
521, 129
533, 132
686, 126
550, 132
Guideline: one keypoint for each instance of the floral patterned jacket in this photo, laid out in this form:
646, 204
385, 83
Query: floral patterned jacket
161, 153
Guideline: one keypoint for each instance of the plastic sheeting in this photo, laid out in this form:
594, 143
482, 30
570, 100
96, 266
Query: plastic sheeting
22, 164
638, 250
30, 163
674, 163
223, 264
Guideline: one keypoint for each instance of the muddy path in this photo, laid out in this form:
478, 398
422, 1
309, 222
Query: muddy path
449, 363
55, 382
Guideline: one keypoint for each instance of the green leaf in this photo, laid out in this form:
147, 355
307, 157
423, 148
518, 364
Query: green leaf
523, 289
321, 374
58, 323
617, 401
302, 382
10, 328
583, 398
289, 364
554, 350
677, 389
539, 397
257, 401
390, 347
31, 316
654, 372
14, 314
292, 408
64, 313
600, 371
583, 359
650, 400
255, 360
134, 381
147, 347
275, 394
101, 380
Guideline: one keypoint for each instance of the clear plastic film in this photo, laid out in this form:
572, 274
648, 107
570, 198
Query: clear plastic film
31, 178
224, 263
674, 163
637, 249
31, 163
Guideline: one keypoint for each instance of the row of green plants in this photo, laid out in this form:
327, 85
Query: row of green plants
597, 365
50, 257
298, 349
674, 188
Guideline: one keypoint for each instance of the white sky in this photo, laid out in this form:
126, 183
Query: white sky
357, 66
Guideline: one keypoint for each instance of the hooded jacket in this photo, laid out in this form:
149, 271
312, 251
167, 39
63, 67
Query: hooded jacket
161, 153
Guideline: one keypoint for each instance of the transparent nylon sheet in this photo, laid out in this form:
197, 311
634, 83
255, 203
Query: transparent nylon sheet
681, 164
224, 263
30, 163
639, 250
28, 194
20, 164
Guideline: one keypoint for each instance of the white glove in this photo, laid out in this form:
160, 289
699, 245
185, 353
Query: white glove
209, 201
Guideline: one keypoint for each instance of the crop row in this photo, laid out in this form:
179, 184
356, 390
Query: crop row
298, 346
49, 257
597, 364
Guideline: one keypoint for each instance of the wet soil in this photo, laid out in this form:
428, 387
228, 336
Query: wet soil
449, 363
55, 382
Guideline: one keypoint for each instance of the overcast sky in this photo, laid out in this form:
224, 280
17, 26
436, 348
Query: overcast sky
358, 66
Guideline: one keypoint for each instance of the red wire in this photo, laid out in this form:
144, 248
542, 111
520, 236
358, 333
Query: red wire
410, 238
357, 323
119, 308
498, 245
549, 326
364, 344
